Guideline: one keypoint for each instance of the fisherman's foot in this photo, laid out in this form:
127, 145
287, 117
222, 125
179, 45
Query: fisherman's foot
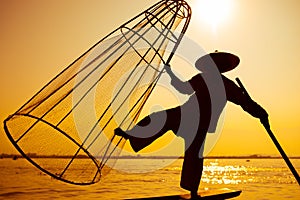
195, 196
121, 133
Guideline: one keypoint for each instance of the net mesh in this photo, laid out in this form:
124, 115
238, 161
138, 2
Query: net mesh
67, 128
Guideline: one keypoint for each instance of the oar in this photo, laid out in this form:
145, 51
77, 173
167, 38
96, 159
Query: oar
268, 129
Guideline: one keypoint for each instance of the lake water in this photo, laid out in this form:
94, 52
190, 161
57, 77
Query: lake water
257, 178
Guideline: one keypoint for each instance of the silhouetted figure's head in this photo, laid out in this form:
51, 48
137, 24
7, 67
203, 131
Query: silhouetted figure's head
222, 60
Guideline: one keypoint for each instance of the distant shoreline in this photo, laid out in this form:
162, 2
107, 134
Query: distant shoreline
16, 156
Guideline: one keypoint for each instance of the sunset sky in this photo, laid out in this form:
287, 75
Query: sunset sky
40, 38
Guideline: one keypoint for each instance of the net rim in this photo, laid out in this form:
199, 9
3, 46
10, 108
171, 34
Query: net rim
56, 176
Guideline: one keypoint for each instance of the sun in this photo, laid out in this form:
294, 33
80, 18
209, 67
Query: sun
213, 12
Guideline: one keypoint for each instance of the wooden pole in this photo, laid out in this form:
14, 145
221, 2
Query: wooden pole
268, 129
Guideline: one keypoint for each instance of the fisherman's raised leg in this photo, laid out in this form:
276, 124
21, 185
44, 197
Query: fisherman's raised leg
151, 127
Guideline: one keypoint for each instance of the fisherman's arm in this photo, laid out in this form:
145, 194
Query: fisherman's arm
236, 95
181, 86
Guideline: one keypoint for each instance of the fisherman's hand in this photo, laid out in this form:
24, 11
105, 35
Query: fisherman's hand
265, 122
170, 72
259, 112
181, 86
256, 110
168, 69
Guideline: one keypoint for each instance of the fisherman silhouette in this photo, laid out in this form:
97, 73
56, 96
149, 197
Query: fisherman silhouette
207, 118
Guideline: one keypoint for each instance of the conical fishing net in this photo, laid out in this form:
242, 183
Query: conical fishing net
67, 128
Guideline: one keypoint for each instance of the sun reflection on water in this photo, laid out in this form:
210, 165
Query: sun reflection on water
214, 173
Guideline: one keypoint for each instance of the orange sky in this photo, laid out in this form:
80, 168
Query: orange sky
40, 38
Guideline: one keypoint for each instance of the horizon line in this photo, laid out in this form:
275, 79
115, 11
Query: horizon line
138, 156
